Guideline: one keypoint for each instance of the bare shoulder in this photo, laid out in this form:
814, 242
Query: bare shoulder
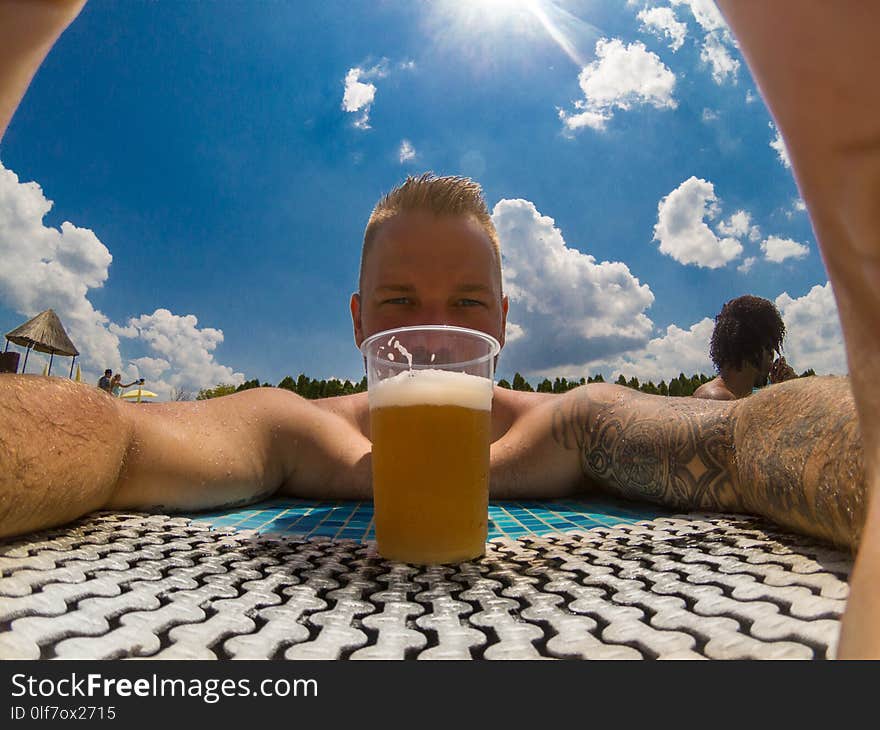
510, 407
354, 409
713, 390
518, 406
519, 400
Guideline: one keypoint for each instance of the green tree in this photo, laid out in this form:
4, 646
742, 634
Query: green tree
621, 380
287, 383
248, 385
674, 387
633, 383
520, 383
684, 385
663, 389
333, 388
503, 384
807, 373
219, 390
302, 384
545, 386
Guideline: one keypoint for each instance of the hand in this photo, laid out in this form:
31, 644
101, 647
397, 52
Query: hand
780, 371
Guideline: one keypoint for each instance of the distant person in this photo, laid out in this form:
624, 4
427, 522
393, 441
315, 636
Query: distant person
745, 344
105, 383
116, 384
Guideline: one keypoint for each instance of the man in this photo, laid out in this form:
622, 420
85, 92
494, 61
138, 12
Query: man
792, 454
747, 337
431, 255
105, 382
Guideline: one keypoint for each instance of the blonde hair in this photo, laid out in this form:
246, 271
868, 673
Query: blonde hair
441, 196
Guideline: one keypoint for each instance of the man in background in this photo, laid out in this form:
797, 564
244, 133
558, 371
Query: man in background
106, 381
745, 344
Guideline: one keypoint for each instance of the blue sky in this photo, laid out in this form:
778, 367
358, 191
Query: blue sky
217, 162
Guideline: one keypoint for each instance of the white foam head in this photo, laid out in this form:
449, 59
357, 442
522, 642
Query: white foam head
432, 388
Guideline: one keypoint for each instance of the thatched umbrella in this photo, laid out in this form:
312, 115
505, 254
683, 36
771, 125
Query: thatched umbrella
43, 333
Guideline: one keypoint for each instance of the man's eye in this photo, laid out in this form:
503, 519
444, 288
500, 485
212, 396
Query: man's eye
397, 300
471, 303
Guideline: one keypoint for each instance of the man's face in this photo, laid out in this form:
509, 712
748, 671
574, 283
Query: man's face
424, 269
766, 362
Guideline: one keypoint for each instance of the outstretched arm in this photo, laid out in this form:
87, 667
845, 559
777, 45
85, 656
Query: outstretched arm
791, 453
816, 64
28, 29
68, 449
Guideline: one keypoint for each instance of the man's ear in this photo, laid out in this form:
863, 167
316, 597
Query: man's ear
505, 305
355, 306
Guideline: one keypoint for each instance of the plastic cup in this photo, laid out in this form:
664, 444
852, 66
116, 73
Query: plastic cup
430, 396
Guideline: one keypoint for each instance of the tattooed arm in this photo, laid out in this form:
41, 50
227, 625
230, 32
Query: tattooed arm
816, 65
790, 454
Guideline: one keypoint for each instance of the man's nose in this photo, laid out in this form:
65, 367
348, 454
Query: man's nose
434, 313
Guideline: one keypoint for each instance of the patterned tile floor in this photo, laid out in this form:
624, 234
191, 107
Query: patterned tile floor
354, 520
692, 586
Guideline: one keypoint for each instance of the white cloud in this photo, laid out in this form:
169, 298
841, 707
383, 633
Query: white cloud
661, 358
151, 368
47, 267
662, 22
681, 229
739, 225
797, 206
746, 266
360, 94
751, 98
677, 351
565, 307
358, 97
778, 144
594, 120
778, 249
813, 340
813, 336
512, 332
709, 115
186, 350
717, 40
406, 152
717, 56
619, 78
706, 13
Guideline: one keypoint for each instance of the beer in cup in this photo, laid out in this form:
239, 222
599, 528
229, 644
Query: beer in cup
430, 396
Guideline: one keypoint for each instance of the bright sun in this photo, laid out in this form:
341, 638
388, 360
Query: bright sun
481, 27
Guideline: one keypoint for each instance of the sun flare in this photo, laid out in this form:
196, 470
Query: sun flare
485, 27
